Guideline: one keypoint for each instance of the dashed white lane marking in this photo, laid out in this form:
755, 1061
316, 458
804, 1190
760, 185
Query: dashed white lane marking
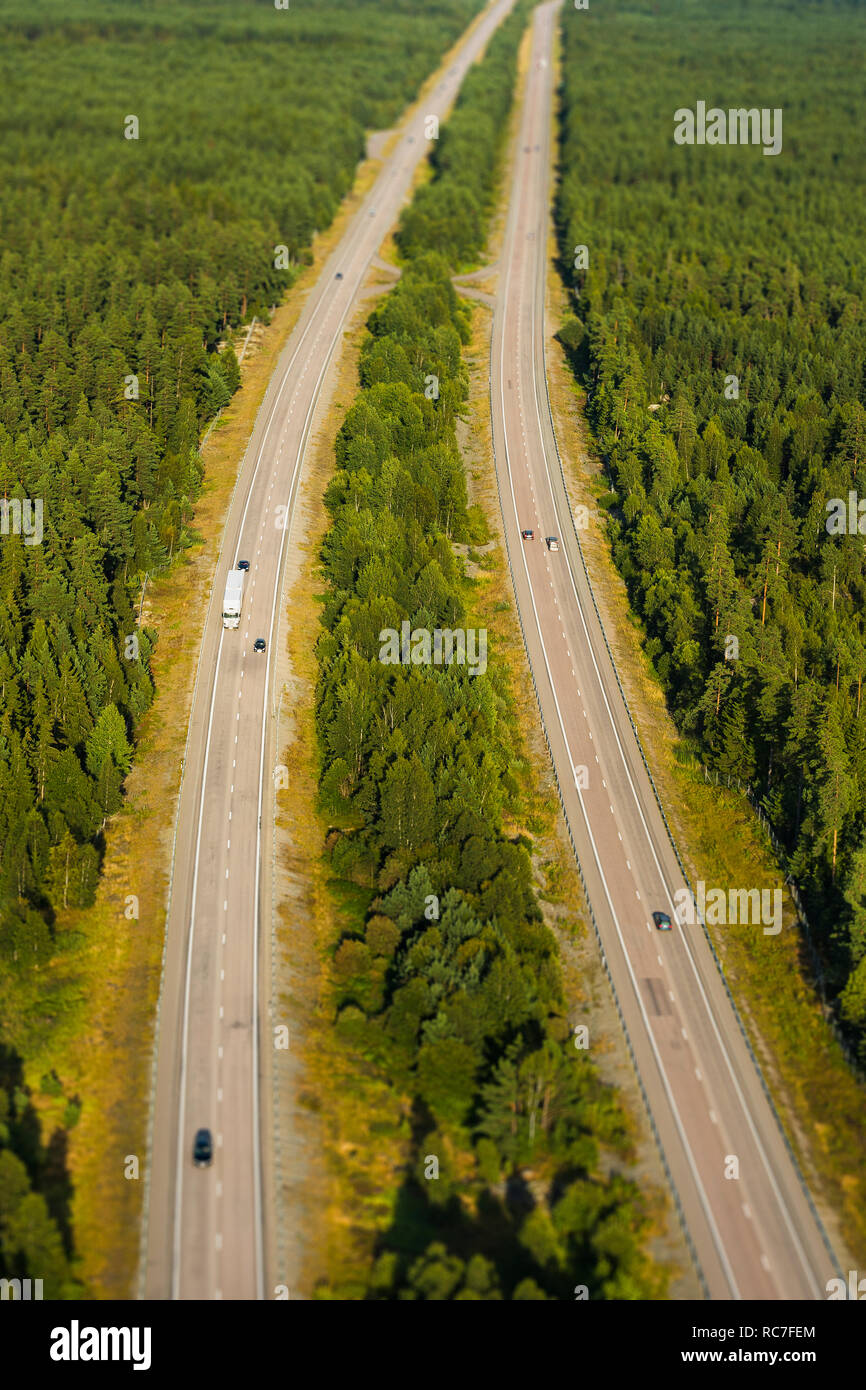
747, 1211
684, 1033
766, 1263
219, 1189
224, 942
230, 815
233, 785
714, 1117
219, 1141
218, 1294
220, 1050
228, 844
627, 862
659, 959
222, 974
221, 1010
219, 1240
219, 1094
227, 873
225, 904
698, 1075
637, 895
671, 995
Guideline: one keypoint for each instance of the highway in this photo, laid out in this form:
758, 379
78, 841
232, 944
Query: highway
205, 1228
755, 1235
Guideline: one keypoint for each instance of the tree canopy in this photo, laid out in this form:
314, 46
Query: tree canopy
719, 331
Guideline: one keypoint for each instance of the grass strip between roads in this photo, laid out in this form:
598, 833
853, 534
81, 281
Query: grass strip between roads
444, 1054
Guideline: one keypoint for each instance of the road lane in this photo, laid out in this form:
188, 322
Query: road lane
204, 1228
756, 1235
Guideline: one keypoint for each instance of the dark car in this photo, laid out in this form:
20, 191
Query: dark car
339, 275
243, 564
527, 535
259, 644
202, 1149
662, 921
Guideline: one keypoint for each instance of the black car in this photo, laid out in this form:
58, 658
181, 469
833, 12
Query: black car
202, 1149
662, 921
259, 644
243, 564
339, 275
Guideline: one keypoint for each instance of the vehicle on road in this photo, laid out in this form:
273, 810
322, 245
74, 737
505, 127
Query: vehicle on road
259, 644
339, 275
202, 1149
662, 921
233, 598
528, 535
242, 565
552, 542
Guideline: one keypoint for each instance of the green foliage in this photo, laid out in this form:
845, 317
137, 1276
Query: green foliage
418, 770
33, 1203
126, 262
451, 213
714, 262
127, 265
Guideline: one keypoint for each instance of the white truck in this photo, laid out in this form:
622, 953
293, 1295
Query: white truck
233, 598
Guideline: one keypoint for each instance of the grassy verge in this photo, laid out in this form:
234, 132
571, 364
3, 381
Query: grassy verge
85, 1022
720, 839
397, 828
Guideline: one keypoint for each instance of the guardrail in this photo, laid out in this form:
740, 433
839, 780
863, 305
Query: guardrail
796, 1166
631, 1052
141, 1276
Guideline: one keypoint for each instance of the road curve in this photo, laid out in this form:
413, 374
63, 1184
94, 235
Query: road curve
204, 1234
755, 1236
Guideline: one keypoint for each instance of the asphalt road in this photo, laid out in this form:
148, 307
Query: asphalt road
205, 1232
755, 1235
